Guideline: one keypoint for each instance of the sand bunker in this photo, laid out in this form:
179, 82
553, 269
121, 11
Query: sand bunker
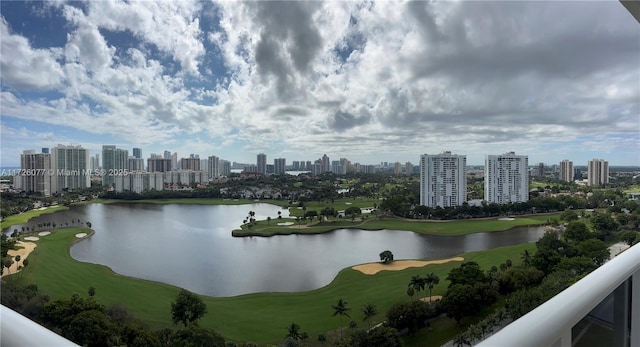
81, 235
32, 238
23, 252
433, 298
44, 233
286, 223
374, 268
506, 219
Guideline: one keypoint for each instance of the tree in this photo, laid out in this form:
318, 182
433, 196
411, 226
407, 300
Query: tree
268, 220
577, 231
369, 310
386, 257
417, 283
88, 225
92, 291
431, 280
91, 328
384, 336
187, 308
410, 315
293, 331
468, 273
342, 310
526, 258
461, 300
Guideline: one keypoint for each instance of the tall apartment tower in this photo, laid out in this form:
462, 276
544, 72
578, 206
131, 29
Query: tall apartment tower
114, 160
262, 163
597, 172
566, 170
326, 164
443, 180
213, 166
35, 172
408, 168
159, 164
225, 168
137, 153
71, 164
280, 166
506, 178
192, 164
397, 168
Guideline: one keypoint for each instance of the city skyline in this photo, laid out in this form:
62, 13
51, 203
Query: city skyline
375, 83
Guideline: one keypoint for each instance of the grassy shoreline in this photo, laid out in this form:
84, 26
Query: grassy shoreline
24, 217
260, 318
264, 229
429, 227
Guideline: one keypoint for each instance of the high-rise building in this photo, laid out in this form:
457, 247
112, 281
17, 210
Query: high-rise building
296, 165
137, 153
280, 166
262, 163
566, 171
326, 164
225, 168
397, 168
346, 163
71, 164
213, 166
35, 173
159, 164
192, 164
114, 162
136, 164
597, 172
506, 178
443, 180
540, 169
175, 164
337, 168
408, 168
167, 155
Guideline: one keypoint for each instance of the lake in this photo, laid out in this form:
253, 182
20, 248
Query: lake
191, 246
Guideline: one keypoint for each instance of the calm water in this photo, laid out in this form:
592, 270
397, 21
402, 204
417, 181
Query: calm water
191, 246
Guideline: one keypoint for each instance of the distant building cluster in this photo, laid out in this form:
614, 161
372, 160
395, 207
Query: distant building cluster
443, 177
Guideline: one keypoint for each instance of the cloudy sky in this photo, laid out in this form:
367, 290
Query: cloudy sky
369, 81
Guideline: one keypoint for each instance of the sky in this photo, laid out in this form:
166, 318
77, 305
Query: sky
368, 81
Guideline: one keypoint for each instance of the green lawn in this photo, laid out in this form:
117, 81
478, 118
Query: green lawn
447, 228
24, 217
261, 318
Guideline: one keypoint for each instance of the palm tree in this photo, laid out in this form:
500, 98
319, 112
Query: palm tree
268, 220
417, 283
526, 257
431, 280
294, 331
369, 311
341, 309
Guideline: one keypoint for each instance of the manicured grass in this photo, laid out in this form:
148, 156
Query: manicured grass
338, 205
24, 217
261, 318
446, 228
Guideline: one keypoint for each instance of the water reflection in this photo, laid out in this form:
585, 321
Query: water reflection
191, 246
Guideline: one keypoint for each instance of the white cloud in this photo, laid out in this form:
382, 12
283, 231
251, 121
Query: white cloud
24, 67
339, 77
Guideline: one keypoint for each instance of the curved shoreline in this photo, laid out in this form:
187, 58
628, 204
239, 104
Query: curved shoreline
310, 231
316, 230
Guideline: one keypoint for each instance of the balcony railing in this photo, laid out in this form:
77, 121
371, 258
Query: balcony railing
17, 330
551, 324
